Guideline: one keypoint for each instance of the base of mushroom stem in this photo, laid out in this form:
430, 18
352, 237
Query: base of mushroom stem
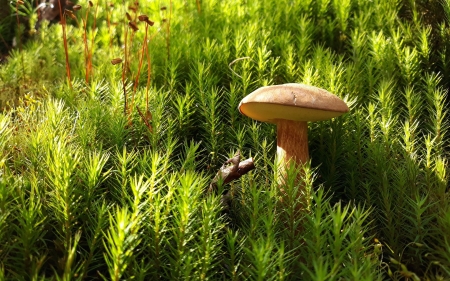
294, 183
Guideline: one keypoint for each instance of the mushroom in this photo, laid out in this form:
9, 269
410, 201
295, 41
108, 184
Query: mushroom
290, 107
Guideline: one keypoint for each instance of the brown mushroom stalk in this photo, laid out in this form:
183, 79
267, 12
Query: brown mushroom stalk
292, 141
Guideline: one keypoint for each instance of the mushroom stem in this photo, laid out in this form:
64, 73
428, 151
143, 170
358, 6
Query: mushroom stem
292, 141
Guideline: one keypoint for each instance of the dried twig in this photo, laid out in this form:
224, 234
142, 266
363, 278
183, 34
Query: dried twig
228, 173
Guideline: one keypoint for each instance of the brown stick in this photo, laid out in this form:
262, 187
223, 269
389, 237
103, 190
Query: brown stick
228, 173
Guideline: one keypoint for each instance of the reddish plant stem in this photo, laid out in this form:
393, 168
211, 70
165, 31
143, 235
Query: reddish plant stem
141, 60
38, 10
137, 10
131, 45
168, 31
108, 21
130, 108
149, 74
20, 41
88, 74
18, 26
86, 47
63, 23
124, 70
149, 126
199, 9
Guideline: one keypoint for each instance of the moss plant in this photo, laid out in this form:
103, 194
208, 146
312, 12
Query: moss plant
104, 175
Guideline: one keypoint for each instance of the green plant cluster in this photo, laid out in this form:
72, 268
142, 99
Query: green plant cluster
103, 173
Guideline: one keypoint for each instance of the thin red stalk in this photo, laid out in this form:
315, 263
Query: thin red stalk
20, 40
137, 10
131, 43
149, 72
133, 19
168, 30
199, 9
130, 108
127, 60
95, 17
144, 119
86, 47
92, 42
141, 60
124, 69
63, 23
18, 26
39, 10
108, 20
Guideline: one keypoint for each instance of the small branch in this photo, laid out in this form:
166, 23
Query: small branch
228, 173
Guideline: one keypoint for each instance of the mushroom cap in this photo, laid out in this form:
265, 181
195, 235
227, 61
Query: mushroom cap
296, 102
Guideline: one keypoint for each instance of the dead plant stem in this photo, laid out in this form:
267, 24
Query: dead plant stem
89, 72
199, 9
66, 48
20, 41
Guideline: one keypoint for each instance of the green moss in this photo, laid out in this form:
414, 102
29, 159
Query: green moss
106, 177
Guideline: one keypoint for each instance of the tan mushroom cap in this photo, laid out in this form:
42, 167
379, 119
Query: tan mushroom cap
296, 102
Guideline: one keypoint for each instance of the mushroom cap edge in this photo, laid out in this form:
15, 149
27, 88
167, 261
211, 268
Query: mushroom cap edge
297, 102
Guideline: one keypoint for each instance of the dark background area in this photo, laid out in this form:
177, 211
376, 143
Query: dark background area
6, 29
